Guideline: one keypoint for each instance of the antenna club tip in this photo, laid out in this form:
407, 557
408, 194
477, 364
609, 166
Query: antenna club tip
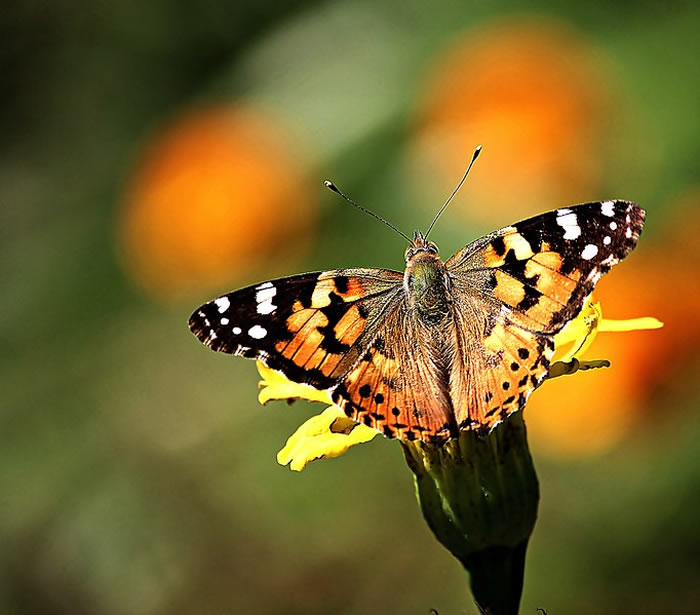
477, 151
331, 186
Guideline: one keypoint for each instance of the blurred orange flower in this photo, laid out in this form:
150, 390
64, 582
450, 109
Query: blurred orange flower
593, 412
533, 93
219, 195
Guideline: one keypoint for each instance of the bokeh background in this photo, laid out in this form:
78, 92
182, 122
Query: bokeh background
154, 155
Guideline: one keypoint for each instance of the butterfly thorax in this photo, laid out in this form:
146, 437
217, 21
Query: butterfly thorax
425, 280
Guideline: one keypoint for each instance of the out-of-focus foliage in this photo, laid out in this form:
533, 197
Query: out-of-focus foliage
137, 470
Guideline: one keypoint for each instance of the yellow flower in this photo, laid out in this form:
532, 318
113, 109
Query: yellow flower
479, 492
274, 386
331, 433
577, 336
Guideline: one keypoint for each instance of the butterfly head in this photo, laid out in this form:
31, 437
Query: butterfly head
420, 246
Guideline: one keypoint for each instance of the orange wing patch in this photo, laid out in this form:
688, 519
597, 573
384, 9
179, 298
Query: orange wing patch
349, 328
495, 256
531, 283
322, 336
508, 289
330, 284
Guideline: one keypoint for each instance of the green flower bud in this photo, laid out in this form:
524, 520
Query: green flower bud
479, 495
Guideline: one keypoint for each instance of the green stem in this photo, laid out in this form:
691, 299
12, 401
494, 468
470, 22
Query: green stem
479, 496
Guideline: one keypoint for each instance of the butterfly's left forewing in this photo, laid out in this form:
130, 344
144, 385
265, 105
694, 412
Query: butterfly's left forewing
310, 327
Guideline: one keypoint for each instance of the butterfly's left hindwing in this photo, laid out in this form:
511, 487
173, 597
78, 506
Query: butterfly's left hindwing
309, 327
397, 387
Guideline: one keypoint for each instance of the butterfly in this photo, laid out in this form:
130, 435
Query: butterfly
442, 347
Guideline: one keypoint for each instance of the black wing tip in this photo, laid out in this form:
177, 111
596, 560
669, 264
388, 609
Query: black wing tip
202, 329
196, 321
631, 207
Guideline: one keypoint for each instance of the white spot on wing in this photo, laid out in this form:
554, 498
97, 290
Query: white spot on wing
613, 226
265, 293
266, 307
223, 304
589, 252
570, 225
237, 330
628, 232
607, 240
224, 321
257, 332
264, 298
607, 208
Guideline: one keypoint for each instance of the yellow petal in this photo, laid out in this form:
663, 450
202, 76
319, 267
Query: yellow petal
631, 324
329, 434
582, 330
274, 386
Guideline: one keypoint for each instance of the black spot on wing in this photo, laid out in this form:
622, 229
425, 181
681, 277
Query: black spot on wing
341, 283
531, 298
334, 312
381, 347
305, 293
499, 246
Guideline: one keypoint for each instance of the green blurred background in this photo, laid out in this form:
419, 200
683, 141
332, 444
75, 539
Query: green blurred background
157, 154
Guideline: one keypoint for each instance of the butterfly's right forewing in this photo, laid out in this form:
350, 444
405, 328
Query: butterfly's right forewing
528, 281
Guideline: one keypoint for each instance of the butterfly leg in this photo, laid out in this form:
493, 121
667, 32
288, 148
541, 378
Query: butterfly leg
566, 368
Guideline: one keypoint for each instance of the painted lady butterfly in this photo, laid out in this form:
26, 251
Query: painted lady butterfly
443, 346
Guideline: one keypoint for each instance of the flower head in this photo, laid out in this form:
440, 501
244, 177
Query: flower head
478, 492
331, 433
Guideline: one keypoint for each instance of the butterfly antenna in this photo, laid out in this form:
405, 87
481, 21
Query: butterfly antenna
475, 155
331, 186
